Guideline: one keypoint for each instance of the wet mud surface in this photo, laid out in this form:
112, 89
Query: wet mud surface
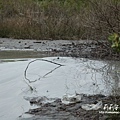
72, 48
57, 110
91, 50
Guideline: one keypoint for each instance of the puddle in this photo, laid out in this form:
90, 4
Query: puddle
77, 75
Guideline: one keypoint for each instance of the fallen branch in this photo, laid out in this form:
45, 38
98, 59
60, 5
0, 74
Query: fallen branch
25, 72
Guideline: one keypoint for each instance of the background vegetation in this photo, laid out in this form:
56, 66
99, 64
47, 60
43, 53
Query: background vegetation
59, 19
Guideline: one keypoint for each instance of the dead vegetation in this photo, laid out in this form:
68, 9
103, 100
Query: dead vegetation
55, 19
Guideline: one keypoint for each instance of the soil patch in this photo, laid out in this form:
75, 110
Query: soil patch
91, 50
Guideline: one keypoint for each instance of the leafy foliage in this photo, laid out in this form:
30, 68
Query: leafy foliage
114, 39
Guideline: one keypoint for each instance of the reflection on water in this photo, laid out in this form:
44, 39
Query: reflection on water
112, 75
110, 72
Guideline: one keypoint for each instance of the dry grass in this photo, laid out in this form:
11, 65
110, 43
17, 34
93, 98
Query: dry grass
53, 19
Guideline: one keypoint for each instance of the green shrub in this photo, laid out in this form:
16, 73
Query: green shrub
114, 39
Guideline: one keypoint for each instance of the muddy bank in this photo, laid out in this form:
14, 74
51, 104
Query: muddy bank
93, 50
76, 110
72, 48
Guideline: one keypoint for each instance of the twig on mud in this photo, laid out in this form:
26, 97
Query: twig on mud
31, 88
51, 71
25, 72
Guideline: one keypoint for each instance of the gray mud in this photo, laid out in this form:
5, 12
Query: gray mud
57, 110
14, 48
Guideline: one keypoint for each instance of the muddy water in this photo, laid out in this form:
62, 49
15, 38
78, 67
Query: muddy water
110, 76
110, 71
22, 54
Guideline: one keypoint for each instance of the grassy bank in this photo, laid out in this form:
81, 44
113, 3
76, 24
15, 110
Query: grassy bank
59, 19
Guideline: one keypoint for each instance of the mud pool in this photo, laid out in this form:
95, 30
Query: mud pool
77, 75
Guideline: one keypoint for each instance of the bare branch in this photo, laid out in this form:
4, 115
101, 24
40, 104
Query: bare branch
25, 72
51, 71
